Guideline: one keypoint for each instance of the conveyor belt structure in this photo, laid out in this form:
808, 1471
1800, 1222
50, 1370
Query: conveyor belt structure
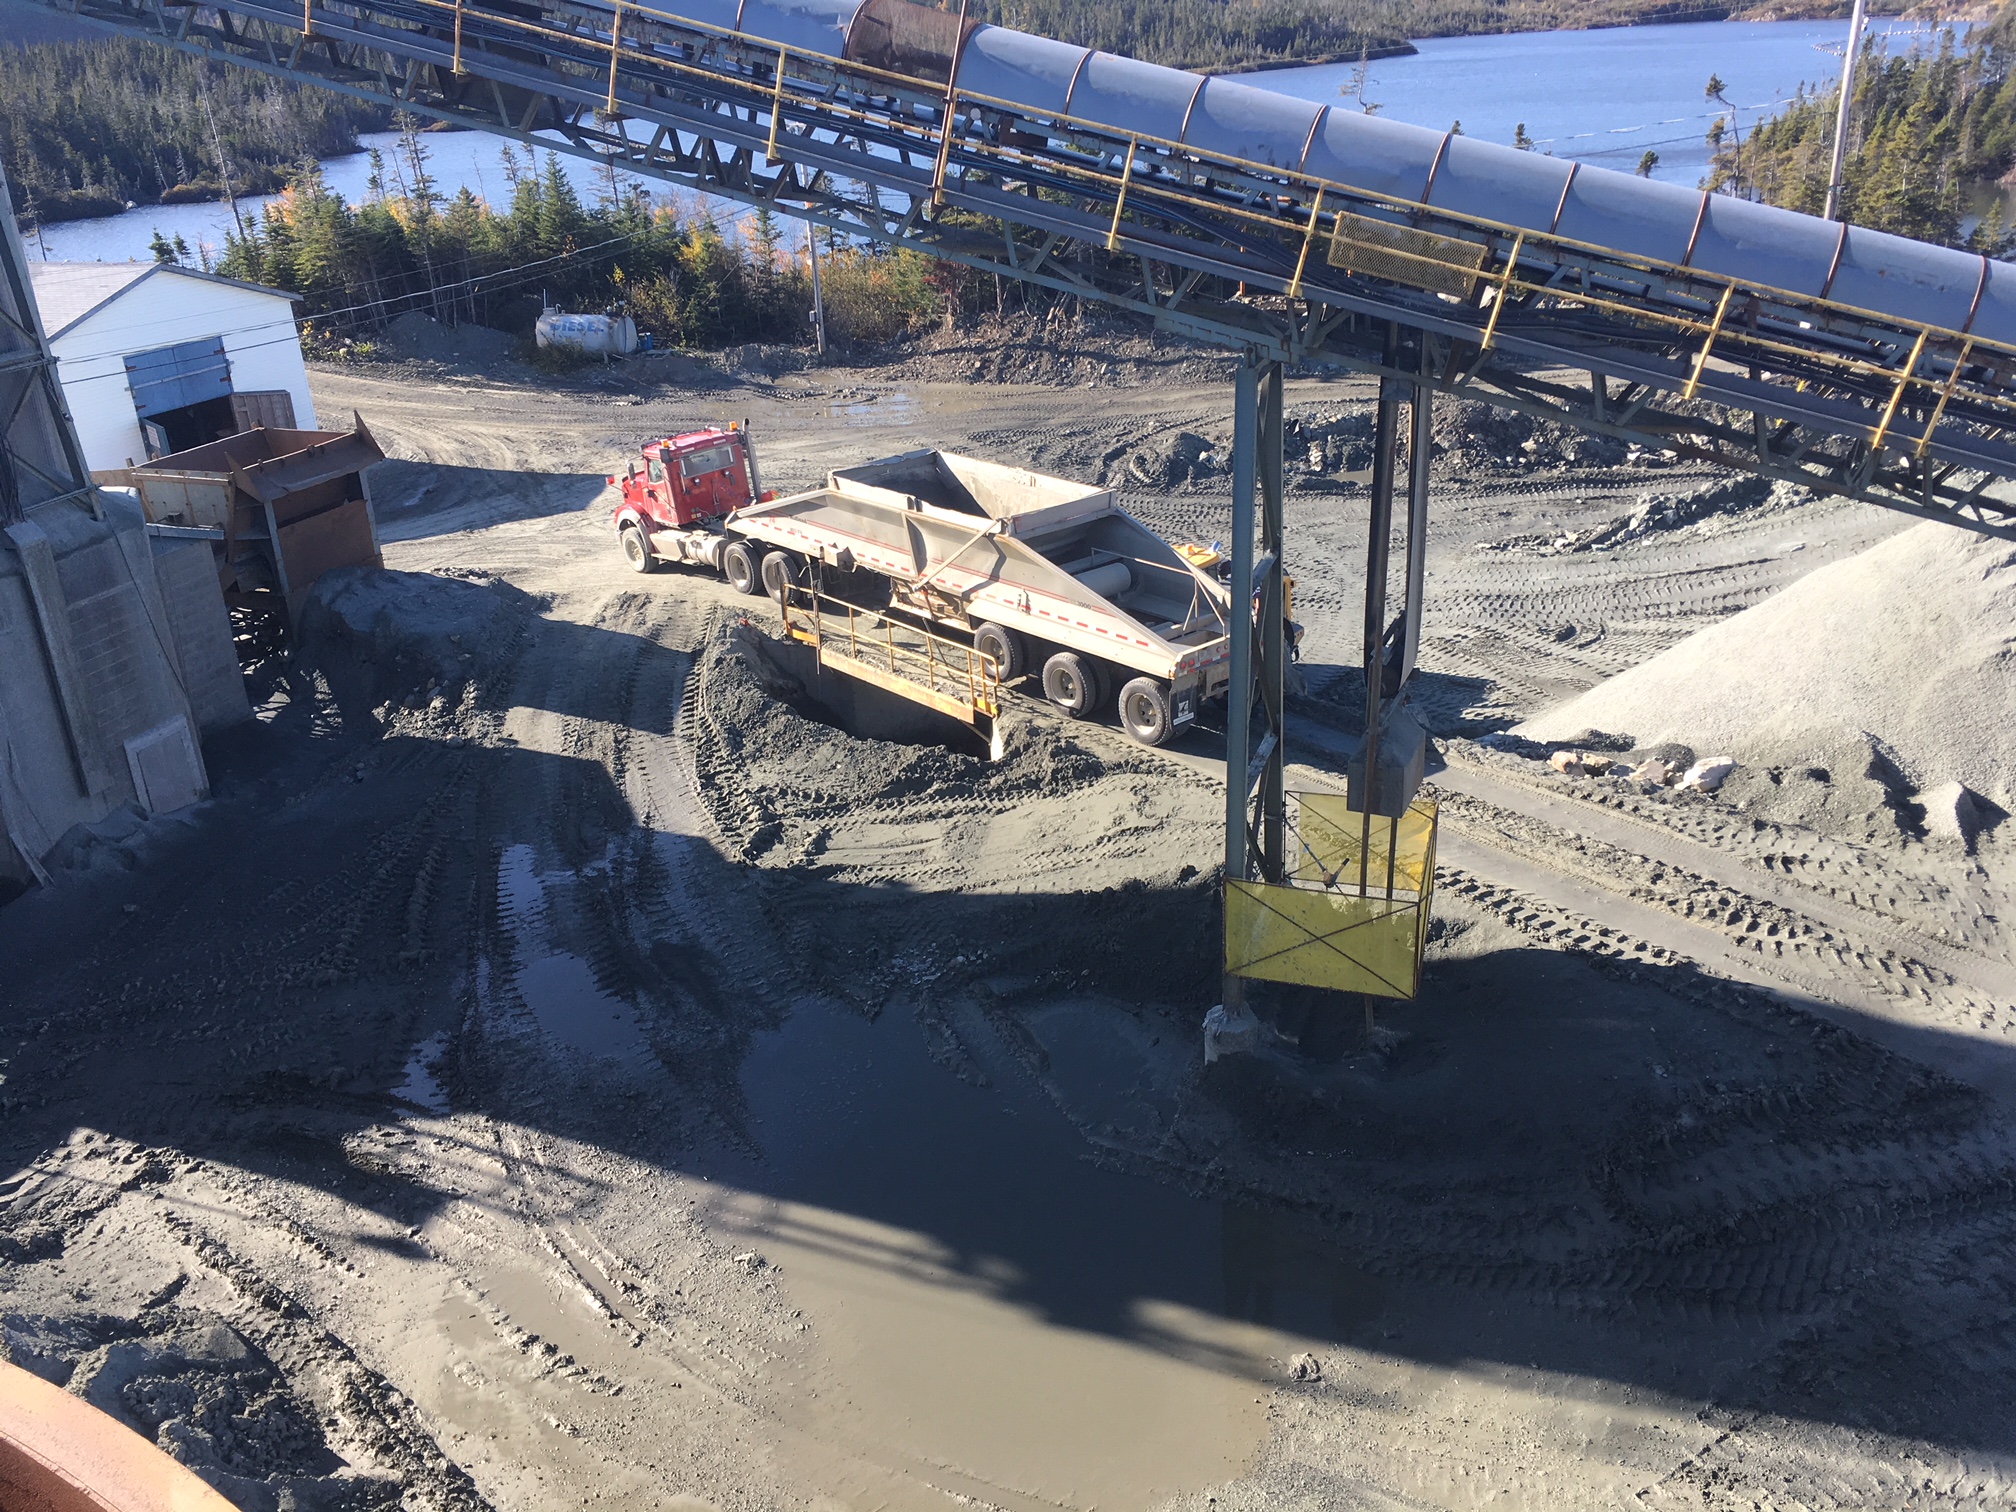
1721, 330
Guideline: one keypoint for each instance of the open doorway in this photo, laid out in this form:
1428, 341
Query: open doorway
181, 394
193, 424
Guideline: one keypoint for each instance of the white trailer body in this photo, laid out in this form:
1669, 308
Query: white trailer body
1056, 565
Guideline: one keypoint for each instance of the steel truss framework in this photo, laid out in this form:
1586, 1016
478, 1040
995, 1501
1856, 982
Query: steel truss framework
1288, 268
39, 459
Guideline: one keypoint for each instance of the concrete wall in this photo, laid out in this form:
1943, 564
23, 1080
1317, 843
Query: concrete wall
187, 573
160, 311
90, 661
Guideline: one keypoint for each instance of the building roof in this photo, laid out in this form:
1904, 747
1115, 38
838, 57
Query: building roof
68, 292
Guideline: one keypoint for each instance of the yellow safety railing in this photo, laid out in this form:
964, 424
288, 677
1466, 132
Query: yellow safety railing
1352, 912
904, 658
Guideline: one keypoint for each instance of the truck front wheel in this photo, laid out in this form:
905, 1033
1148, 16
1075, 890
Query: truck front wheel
637, 550
1144, 711
1072, 682
742, 567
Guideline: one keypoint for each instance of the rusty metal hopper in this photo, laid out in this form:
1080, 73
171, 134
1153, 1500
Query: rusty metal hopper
284, 506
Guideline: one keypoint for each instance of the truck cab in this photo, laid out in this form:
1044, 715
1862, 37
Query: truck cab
680, 484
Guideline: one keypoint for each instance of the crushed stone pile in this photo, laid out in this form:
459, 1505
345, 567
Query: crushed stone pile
1471, 436
812, 806
402, 639
1056, 347
1328, 448
1173, 459
1894, 670
187, 1381
422, 338
768, 721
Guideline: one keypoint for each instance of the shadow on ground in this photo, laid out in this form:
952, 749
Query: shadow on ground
414, 500
1628, 1174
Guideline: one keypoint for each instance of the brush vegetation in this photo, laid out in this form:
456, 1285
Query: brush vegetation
687, 278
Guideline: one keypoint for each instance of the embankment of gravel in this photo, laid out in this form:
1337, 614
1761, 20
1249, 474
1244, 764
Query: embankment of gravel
1896, 668
385, 640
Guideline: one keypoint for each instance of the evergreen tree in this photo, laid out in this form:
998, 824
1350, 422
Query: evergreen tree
1924, 126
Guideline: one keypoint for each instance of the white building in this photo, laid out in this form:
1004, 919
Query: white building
154, 358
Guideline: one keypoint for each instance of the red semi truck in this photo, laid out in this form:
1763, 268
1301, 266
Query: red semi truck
1042, 575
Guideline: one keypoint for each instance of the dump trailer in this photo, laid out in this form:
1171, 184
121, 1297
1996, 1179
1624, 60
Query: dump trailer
1041, 575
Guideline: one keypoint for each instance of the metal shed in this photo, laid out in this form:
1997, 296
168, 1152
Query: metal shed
156, 358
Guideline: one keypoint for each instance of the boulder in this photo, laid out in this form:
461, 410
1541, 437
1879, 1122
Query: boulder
1709, 773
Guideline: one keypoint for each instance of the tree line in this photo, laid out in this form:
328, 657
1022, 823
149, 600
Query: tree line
1927, 130
88, 127
681, 273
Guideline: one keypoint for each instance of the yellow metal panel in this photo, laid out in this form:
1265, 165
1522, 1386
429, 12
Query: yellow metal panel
897, 683
1334, 940
1331, 834
1401, 253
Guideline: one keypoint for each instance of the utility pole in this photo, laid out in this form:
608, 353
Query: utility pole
818, 297
224, 168
1833, 211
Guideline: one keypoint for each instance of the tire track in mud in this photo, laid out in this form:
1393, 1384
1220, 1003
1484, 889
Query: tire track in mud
1792, 946
1759, 1201
637, 895
1878, 892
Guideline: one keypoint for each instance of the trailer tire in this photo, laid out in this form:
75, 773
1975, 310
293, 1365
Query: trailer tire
1009, 651
636, 549
781, 569
1073, 683
743, 567
1144, 711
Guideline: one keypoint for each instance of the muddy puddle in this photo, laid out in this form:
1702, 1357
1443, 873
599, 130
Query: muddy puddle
556, 985
897, 408
996, 1316
419, 1085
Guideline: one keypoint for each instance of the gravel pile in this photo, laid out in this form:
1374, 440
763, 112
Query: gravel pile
402, 639
1706, 509
422, 338
1899, 662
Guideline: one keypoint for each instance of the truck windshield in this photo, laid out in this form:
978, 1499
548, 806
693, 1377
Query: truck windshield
700, 463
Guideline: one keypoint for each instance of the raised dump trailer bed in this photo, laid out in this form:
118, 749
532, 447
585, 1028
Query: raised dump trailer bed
1046, 575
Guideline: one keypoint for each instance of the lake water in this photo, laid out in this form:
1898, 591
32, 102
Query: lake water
1605, 97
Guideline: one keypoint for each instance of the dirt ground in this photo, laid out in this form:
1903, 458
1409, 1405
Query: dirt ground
559, 1069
